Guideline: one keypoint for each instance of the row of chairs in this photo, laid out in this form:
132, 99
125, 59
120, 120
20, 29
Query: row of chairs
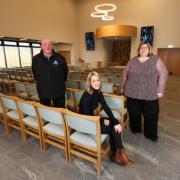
77, 135
23, 74
105, 77
26, 91
6, 82
111, 88
115, 102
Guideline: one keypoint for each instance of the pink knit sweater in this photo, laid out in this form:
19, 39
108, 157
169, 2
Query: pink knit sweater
144, 80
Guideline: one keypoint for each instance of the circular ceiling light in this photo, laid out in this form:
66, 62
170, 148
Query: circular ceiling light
98, 14
107, 18
111, 6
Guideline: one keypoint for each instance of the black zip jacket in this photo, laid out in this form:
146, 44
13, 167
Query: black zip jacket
51, 75
89, 102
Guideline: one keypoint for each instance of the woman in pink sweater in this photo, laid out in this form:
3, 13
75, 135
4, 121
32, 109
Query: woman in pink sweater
144, 81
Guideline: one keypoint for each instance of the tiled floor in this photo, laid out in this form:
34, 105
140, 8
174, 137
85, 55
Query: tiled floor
154, 160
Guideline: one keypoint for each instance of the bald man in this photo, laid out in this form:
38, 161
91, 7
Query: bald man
50, 70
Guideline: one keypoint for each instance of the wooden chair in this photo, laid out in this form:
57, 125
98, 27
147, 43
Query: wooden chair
73, 84
11, 114
77, 97
6, 81
116, 104
21, 90
2, 114
53, 127
107, 88
69, 96
32, 91
30, 120
83, 85
86, 140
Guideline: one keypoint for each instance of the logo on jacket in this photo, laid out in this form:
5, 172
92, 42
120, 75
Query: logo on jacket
55, 63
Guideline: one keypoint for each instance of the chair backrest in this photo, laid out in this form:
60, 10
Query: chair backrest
75, 76
20, 86
31, 89
49, 114
114, 101
9, 102
26, 108
116, 80
73, 84
77, 96
104, 79
107, 88
82, 123
83, 85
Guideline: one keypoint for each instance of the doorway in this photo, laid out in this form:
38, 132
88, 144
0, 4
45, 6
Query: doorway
171, 58
121, 51
66, 55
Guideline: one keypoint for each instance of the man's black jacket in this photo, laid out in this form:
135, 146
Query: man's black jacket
51, 75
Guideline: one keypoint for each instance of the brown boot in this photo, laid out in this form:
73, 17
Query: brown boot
121, 158
124, 159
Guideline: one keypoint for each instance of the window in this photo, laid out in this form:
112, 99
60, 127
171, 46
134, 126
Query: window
23, 44
25, 54
35, 45
11, 43
2, 59
36, 51
12, 56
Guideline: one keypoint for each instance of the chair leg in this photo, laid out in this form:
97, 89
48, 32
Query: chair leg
99, 166
41, 144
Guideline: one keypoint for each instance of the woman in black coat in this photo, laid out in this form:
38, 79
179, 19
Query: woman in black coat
88, 103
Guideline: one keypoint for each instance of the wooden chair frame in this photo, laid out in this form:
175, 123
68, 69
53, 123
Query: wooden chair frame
49, 138
93, 155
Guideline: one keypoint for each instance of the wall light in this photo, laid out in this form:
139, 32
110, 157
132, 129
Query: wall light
102, 11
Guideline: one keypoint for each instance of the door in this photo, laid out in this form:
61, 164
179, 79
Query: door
66, 55
171, 58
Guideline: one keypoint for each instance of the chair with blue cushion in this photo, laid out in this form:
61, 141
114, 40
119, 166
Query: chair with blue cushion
53, 127
11, 114
83, 85
85, 139
116, 104
21, 90
107, 88
2, 113
32, 91
77, 97
30, 120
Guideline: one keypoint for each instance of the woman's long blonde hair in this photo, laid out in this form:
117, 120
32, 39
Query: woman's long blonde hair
149, 48
89, 88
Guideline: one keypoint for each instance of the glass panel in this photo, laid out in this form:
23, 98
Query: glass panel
12, 56
36, 51
35, 45
25, 53
2, 59
23, 44
10, 43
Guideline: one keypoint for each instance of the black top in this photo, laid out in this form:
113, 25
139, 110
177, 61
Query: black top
51, 75
89, 102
